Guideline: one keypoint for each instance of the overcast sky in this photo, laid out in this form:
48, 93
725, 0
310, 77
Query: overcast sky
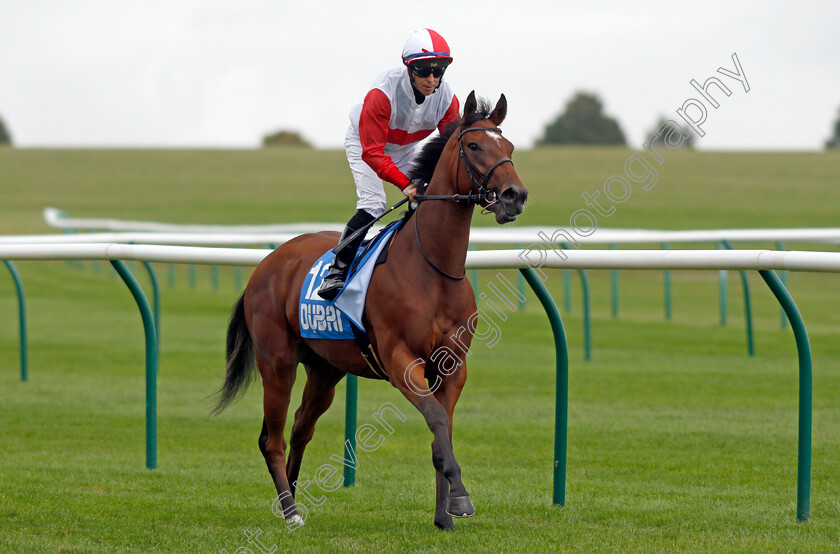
180, 73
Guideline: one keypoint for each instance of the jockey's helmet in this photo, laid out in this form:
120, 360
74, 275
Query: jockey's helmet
426, 44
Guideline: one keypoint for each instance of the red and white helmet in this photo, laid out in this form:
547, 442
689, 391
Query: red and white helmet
425, 44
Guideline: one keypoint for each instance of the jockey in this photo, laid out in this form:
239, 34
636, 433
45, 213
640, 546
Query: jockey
403, 106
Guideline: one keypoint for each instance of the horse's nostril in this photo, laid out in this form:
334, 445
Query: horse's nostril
509, 195
514, 196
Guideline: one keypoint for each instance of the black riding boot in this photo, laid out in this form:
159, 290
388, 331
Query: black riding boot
337, 274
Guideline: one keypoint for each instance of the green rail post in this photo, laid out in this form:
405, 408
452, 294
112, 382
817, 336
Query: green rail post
747, 310
614, 287
561, 404
783, 277
155, 299
567, 290
748, 313
350, 411
151, 360
587, 326
667, 283
520, 283
24, 352
803, 348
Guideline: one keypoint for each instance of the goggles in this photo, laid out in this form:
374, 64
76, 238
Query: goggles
423, 70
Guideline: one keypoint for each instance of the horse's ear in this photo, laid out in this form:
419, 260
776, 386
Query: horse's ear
499, 112
471, 105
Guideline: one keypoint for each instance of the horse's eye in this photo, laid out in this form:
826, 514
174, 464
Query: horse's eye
472, 146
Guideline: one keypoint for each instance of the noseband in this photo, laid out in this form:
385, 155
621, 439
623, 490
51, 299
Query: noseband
479, 181
473, 171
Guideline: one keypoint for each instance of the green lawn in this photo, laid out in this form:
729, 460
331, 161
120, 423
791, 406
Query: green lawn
678, 441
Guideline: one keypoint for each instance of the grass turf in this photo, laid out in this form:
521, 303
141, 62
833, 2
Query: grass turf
678, 441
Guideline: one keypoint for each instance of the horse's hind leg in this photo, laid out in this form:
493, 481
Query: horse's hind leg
318, 395
278, 380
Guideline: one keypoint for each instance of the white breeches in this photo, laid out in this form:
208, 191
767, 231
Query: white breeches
369, 187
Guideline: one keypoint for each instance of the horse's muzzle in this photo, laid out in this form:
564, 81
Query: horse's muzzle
511, 203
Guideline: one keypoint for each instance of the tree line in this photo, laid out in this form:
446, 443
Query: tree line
5, 136
583, 121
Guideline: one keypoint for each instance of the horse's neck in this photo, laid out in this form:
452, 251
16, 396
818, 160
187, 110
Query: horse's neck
443, 227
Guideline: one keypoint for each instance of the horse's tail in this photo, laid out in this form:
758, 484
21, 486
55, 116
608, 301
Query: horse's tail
239, 371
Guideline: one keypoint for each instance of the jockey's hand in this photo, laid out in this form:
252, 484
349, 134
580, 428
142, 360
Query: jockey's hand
410, 191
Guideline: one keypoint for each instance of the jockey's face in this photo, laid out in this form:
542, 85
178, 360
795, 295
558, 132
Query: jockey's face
426, 85
426, 74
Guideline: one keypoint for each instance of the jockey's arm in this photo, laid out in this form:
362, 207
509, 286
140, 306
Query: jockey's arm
452, 114
373, 132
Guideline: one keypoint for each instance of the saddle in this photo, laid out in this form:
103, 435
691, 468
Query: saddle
341, 318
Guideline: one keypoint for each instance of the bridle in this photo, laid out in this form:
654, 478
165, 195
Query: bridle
472, 171
479, 181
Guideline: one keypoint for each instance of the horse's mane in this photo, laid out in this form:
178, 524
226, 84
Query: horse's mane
424, 164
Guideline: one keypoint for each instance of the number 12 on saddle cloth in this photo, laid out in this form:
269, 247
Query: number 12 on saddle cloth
322, 319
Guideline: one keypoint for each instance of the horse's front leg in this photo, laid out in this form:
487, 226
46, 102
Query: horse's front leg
408, 377
447, 394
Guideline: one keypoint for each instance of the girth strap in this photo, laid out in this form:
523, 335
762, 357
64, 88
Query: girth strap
368, 353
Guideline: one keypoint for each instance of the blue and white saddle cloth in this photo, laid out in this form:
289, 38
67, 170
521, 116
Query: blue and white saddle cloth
322, 319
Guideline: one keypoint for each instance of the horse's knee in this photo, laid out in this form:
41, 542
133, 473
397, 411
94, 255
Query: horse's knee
272, 449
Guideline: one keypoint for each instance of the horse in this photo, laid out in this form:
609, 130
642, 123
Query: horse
422, 276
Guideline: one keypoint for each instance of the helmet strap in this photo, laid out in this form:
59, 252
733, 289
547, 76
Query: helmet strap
419, 97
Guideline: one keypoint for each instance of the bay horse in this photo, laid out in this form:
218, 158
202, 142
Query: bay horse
416, 300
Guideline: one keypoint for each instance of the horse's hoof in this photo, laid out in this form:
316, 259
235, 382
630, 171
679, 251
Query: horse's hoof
294, 522
460, 506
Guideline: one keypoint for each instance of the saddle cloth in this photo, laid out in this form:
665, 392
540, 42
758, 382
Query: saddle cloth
322, 319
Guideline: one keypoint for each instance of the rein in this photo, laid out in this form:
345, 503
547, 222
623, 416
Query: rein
425, 257
470, 198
